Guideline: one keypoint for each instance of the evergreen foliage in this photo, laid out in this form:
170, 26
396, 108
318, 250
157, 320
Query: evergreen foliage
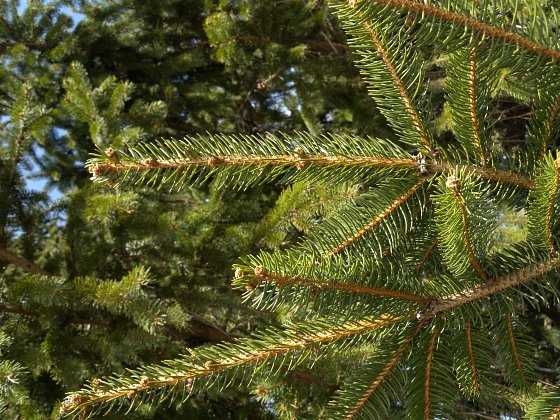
405, 277
77, 299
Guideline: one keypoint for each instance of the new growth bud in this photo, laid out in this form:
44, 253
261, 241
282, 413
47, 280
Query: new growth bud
150, 163
110, 152
259, 271
453, 183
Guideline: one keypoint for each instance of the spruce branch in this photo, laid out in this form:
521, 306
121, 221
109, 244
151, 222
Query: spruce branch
475, 25
491, 174
383, 373
453, 184
543, 199
473, 105
500, 284
262, 275
471, 357
549, 125
427, 383
244, 160
376, 221
426, 254
410, 108
511, 337
183, 375
26, 265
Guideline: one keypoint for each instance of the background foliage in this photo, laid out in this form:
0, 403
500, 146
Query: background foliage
95, 280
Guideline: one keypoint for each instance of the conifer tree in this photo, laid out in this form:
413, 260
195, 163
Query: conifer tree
403, 282
95, 281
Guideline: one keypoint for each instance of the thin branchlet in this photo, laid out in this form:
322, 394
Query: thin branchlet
281, 280
457, 19
514, 351
376, 221
453, 184
471, 357
296, 160
383, 374
427, 377
549, 219
497, 285
403, 92
473, 106
426, 254
546, 136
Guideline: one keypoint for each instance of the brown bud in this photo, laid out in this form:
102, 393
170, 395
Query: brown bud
110, 152
96, 382
96, 170
301, 165
259, 271
215, 161
453, 183
150, 163
249, 287
261, 85
144, 381
239, 273
352, 3
75, 399
131, 394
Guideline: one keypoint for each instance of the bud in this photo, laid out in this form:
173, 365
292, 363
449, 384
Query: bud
150, 163
110, 152
453, 183
215, 161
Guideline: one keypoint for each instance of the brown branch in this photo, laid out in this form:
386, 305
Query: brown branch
426, 9
429, 356
28, 266
376, 221
383, 374
473, 107
79, 402
471, 357
548, 126
516, 278
426, 254
454, 186
407, 100
514, 349
346, 287
491, 174
297, 160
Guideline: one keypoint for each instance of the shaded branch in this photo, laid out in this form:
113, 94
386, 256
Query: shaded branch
321, 284
26, 265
